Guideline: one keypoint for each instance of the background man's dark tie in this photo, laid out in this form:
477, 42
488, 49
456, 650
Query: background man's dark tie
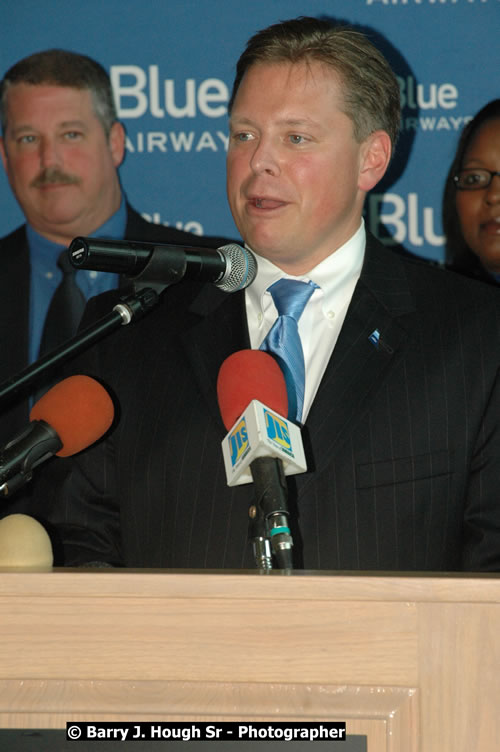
65, 310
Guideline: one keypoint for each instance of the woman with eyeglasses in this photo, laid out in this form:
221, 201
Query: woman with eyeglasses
471, 202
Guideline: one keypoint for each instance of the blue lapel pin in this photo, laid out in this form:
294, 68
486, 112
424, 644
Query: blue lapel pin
375, 338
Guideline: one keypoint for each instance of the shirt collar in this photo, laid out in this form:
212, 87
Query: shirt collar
331, 274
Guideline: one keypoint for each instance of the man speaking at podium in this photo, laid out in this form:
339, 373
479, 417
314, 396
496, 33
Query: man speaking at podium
401, 401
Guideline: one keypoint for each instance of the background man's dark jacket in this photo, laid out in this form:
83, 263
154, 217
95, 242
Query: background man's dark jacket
14, 316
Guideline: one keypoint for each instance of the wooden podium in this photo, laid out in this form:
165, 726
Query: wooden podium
411, 662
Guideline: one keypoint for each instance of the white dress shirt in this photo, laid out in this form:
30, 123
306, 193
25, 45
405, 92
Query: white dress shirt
323, 316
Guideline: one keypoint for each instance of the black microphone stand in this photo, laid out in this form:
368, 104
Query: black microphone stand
130, 308
257, 534
268, 528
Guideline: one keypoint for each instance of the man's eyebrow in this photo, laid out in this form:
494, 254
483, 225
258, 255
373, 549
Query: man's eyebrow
26, 127
290, 122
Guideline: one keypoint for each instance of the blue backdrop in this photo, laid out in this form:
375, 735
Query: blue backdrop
172, 63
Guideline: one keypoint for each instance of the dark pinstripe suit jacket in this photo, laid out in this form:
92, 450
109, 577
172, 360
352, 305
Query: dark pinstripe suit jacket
14, 319
403, 439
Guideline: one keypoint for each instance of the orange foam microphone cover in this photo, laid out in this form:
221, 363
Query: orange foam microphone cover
248, 375
79, 409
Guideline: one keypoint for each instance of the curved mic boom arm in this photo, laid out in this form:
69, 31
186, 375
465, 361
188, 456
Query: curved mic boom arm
131, 308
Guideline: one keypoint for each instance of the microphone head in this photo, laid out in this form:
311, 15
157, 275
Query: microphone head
241, 268
249, 375
79, 409
24, 543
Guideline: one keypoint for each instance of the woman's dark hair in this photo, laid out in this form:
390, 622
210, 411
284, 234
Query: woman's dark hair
458, 254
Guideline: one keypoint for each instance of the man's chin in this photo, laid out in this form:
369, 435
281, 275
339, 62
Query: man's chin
66, 224
265, 250
60, 220
264, 244
277, 255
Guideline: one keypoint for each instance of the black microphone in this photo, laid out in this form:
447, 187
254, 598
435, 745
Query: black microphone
70, 417
230, 267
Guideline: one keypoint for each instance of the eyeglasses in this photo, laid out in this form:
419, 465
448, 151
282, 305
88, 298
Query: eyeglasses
474, 179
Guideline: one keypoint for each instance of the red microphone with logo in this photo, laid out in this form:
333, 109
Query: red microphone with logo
262, 446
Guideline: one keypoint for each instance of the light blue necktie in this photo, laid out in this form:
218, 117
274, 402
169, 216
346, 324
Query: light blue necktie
283, 341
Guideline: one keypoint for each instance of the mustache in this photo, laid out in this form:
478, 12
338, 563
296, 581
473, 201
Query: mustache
52, 176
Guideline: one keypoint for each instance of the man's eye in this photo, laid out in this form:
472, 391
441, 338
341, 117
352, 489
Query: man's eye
28, 139
295, 138
244, 136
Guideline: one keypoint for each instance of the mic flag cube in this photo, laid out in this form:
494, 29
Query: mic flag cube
261, 432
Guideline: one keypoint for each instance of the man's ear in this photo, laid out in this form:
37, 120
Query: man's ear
376, 153
3, 154
117, 142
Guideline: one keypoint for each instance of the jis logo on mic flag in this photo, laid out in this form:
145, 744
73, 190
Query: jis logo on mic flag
277, 431
238, 441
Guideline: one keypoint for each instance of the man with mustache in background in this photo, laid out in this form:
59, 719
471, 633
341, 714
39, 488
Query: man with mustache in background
61, 148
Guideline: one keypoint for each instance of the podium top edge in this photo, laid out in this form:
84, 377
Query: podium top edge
303, 585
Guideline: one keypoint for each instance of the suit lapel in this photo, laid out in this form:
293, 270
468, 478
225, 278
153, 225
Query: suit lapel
358, 364
220, 331
15, 291
14, 325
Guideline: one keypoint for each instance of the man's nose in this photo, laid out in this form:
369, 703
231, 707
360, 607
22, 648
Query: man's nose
49, 152
265, 159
